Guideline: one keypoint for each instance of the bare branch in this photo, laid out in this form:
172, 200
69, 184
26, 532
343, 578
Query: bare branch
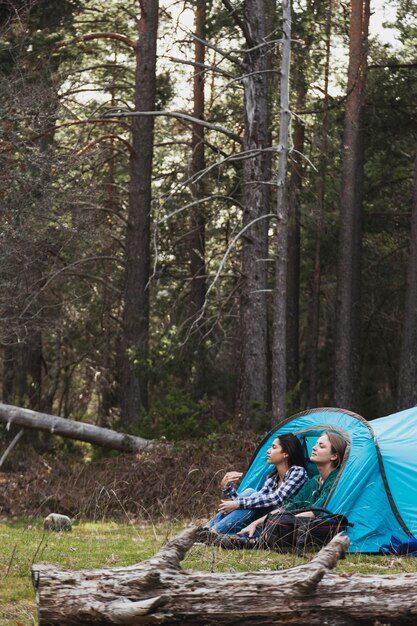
224, 54
242, 78
60, 271
202, 66
92, 144
196, 202
238, 21
180, 116
223, 261
114, 36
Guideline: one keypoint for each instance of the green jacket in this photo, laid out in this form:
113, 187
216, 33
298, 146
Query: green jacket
311, 494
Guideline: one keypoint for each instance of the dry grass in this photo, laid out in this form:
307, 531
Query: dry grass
175, 483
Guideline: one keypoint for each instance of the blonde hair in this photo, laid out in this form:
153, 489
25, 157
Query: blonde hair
338, 446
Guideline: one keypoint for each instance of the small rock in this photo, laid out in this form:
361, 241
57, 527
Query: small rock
59, 523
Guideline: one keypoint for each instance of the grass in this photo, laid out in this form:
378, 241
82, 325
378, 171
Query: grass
104, 544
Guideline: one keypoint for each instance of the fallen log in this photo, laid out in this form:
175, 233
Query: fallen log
72, 429
159, 591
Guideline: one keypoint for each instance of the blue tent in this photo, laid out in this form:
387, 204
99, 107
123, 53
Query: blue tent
377, 484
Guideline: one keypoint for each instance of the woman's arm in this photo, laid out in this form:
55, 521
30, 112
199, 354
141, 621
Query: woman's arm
251, 528
269, 495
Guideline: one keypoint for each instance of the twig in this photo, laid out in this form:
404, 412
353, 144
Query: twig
11, 445
11, 561
39, 547
223, 261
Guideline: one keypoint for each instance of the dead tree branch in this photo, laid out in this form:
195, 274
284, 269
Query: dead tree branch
73, 430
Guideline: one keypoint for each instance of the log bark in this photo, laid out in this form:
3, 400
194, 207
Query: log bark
73, 430
159, 591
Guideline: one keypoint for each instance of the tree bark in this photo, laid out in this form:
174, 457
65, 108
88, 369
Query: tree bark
73, 430
195, 353
279, 324
253, 384
314, 308
134, 397
198, 164
294, 241
301, 70
349, 261
407, 381
159, 591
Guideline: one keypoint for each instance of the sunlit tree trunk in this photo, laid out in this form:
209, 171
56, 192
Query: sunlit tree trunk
134, 395
349, 253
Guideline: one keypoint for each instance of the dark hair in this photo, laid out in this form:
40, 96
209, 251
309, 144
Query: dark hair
292, 446
338, 446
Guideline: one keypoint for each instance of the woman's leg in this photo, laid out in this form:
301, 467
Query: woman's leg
236, 520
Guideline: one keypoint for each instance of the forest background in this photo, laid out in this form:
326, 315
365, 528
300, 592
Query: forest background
175, 264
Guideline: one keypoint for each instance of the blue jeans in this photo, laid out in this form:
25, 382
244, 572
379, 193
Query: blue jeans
231, 523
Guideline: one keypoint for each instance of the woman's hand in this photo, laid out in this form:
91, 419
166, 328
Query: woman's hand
227, 506
251, 528
230, 477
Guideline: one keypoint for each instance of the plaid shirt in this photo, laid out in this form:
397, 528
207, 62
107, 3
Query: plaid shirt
270, 495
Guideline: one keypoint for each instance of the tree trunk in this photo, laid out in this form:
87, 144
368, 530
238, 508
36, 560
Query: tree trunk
293, 276
314, 308
407, 382
349, 264
198, 164
159, 591
253, 384
195, 350
73, 430
134, 397
23, 371
279, 327
294, 222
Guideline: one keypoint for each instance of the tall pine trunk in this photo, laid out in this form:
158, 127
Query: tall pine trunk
407, 381
253, 386
134, 396
347, 341
279, 322
196, 354
313, 333
197, 221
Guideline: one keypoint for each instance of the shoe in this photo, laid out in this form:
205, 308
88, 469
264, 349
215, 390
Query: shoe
208, 536
203, 534
236, 542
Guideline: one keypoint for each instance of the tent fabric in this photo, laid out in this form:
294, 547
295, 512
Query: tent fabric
377, 485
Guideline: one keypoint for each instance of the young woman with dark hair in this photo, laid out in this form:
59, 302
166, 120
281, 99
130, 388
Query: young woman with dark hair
283, 482
327, 454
